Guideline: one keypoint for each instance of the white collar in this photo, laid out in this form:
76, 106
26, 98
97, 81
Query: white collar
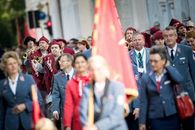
71, 73
174, 48
141, 51
15, 80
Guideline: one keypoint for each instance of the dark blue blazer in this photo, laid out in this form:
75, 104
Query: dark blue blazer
154, 104
135, 103
132, 55
9, 120
185, 64
58, 91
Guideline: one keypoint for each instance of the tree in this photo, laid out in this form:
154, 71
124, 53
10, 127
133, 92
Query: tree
9, 11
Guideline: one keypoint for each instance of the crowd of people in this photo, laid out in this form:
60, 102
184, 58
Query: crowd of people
69, 79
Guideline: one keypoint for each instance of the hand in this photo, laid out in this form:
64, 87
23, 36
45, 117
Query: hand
90, 127
136, 113
19, 108
142, 127
56, 115
67, 128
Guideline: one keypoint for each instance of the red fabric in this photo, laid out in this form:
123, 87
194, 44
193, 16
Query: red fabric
19, 37
49, 70
68, 50
72, 102
26, 32
36, 111
43, 39
107, 35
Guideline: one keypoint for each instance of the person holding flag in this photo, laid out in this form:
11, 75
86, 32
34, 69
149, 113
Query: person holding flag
107, 97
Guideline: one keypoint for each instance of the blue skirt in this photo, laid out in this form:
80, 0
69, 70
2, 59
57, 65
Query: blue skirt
166, 123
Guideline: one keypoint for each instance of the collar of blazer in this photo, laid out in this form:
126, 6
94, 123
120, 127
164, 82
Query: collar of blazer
178, 51
21, 78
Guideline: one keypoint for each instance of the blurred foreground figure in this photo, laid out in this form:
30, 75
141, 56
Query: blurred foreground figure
107, 98
45, 124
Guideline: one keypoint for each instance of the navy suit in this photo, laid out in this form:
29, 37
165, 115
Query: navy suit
154, 104
184, 63
132, 55
8, 100
112, 117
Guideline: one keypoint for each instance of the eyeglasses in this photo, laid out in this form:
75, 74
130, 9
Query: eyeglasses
155, 61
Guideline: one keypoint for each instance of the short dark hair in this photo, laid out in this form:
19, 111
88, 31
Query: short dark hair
79, 55
159, 50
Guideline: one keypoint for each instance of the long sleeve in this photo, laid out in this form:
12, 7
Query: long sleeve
68, 106
55, 95
116, 114
143, 102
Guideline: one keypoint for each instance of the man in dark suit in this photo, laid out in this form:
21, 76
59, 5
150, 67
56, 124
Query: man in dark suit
140, 55
181, 57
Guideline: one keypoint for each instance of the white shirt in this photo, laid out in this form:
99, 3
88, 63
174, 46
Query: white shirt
174, 49
71, 73
13, 84
143, 53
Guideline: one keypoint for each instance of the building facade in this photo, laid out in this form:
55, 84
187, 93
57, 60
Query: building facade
74, 18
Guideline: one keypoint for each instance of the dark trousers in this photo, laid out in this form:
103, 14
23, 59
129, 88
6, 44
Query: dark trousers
188, 124
131, 122
166, 123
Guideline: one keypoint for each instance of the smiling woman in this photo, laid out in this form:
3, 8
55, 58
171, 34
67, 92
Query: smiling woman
15, 95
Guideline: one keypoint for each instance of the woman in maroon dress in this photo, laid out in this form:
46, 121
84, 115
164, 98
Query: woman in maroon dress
73, 90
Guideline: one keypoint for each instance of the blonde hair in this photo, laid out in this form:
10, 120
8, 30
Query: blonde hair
5, 57
100, 62
45, 124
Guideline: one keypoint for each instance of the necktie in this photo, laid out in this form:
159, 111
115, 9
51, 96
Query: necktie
140, 61
172, 55
67, 76
158, 86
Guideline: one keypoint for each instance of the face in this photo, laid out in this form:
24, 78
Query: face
159, 42
81, 47
81, 65
156, 62
89, 40
191, 42
64, 63
182, 30
55, 50
12, 66
30, 44
129, 35
98, 71
170, 38
138, 42
43, 45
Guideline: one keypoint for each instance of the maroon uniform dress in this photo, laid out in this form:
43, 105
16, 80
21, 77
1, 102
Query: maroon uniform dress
37, 76
49, 70
73, 92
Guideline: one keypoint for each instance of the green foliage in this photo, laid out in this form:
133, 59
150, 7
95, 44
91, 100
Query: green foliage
10, 10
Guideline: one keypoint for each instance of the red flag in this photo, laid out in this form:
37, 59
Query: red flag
36, 112
19, 38
107, 42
